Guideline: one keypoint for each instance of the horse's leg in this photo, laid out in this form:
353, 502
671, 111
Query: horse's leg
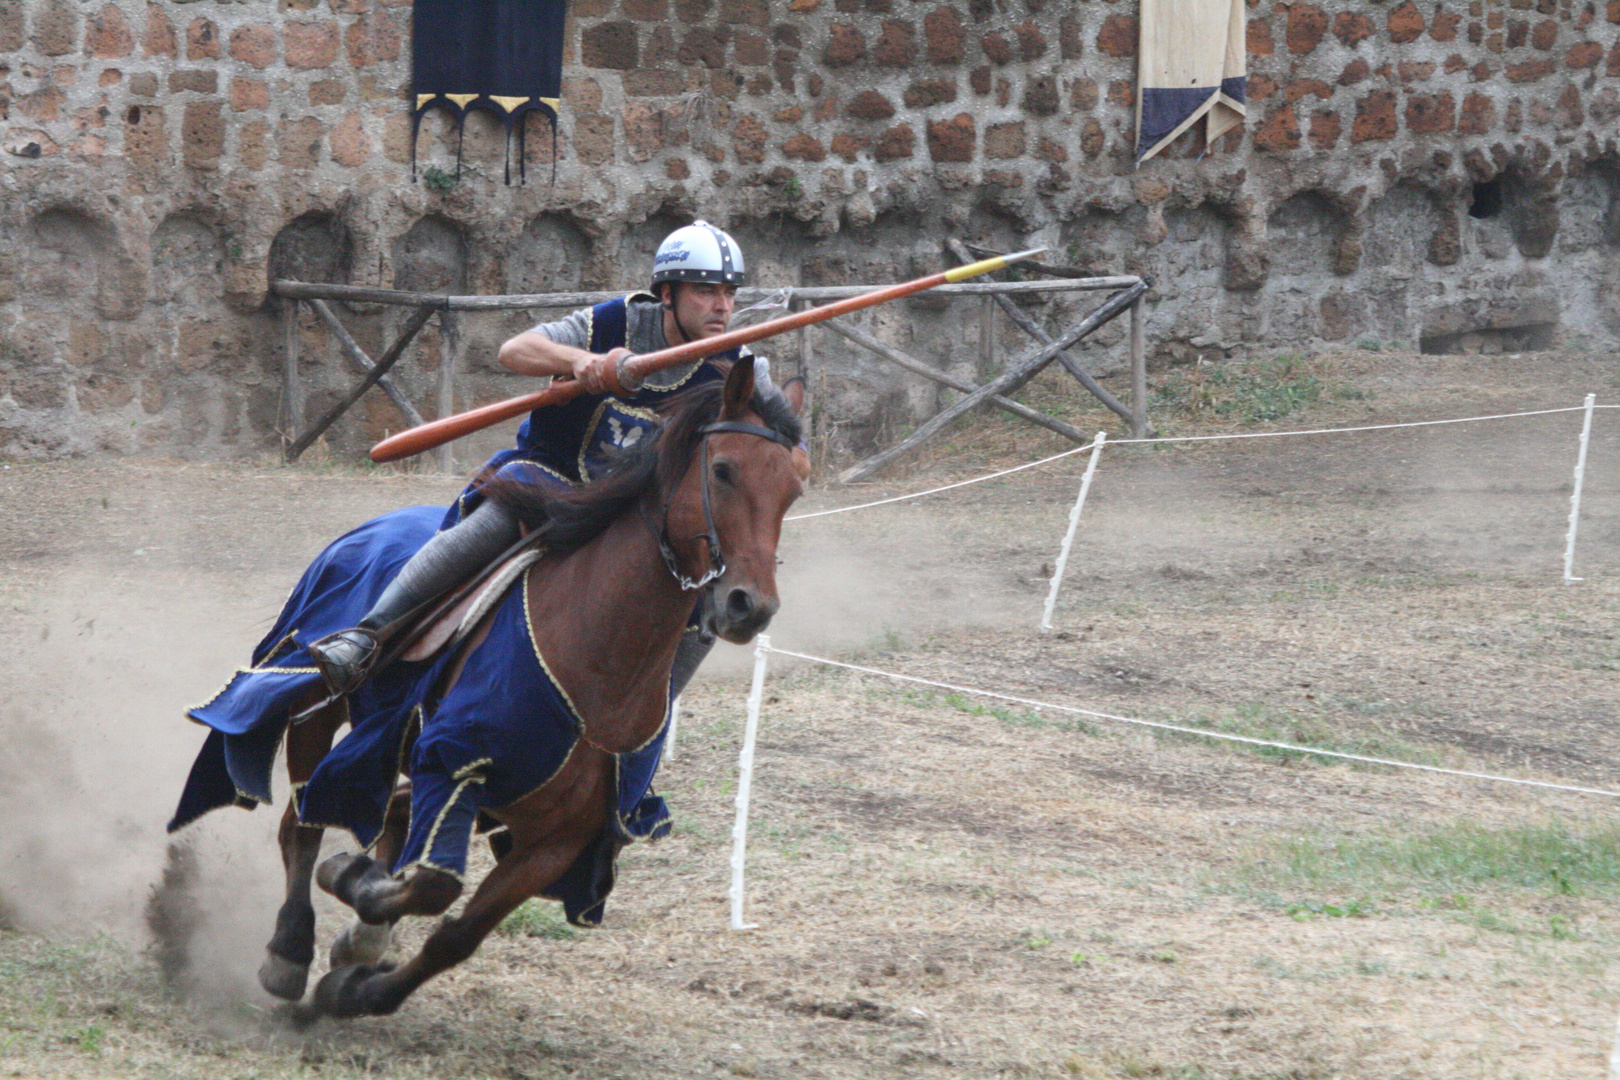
548, 838
361, 942
285, 970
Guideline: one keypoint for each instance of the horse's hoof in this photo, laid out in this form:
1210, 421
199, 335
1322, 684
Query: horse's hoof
361, 943
341, 869
283, 978
342, 993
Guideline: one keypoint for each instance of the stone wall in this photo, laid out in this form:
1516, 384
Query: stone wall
1435, 174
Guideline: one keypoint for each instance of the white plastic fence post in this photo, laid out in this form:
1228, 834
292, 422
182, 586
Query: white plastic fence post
674, 727
745, 781
1074, 524
1575, 497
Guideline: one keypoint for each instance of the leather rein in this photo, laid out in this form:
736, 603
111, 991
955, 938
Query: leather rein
711, 537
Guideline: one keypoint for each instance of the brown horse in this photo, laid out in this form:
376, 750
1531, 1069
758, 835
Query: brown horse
606, 608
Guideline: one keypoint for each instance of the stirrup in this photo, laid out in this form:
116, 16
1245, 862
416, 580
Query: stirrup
345, 658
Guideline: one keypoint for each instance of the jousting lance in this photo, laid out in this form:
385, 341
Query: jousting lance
632, 370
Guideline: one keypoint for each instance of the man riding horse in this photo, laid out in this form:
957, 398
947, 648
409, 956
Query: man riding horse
696, 272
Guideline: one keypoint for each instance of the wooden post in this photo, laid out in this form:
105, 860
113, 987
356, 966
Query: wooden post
1139, 417
294, 390
449, 333
987, 335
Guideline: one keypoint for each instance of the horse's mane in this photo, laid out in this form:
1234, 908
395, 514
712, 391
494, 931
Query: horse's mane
570, 518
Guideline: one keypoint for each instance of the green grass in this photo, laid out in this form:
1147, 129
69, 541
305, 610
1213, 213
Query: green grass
1453, 859
1257, 721
1006, 715
1252, 392
538, 918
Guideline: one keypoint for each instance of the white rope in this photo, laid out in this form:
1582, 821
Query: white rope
1366, 427
1195, 731
1183, 438
947, 487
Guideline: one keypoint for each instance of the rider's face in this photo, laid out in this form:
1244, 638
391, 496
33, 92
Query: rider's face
703, 309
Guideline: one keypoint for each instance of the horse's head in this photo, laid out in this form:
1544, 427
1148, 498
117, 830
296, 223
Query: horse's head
746, 468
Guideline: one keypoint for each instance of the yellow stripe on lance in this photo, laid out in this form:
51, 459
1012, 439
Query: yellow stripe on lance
985, 266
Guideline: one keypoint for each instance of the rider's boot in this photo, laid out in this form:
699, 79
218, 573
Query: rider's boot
453, 556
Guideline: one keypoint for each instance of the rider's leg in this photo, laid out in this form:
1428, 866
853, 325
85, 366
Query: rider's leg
694, 646
444, 562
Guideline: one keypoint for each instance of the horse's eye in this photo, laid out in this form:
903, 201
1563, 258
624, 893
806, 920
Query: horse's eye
722, 471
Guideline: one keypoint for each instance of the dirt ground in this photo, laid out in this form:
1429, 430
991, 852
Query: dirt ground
944, 885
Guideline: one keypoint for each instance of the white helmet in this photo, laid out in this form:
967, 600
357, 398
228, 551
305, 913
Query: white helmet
698, 252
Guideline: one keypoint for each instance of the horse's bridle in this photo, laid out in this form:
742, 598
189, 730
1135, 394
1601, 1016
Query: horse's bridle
710, 537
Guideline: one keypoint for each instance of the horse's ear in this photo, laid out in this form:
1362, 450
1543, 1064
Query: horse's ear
739, 388
793, 393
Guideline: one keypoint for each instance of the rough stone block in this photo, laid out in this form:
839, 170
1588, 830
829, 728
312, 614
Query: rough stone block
109, 35
1375, 117
896, 45
1405, 23
202, 135
848, 145
1355, 71
249, 95
350, 145
1303, 87
1032, 43
43, 105
1306, 25
979, 79
1584, 55
997, 49
1478, 115
1041, 96
1443, 27
945, 41
298, 142
611, 45
745, 13
929, 92
327, 92
1545, 35
1410, 71
802, 147
195, 80
146, 142
790, 115
86, 343
952, 140
748, 140
310, 46
869, 105
108, 77
56, 27
159, 39
1279, 132
1048, 149
1429, 114
1257, 38
895, 144
13, 27
1611, 66
646, 10
705, 45
644, 82
1529, 71
1324, 129
143, 84
253, 44
1093, 140
1070, 44
1352, 28
1005, 141
845, 45
751, 49
1083, 94
1118, 36
202, 41
375, 38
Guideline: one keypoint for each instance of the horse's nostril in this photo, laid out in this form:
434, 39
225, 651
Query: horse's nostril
739, 605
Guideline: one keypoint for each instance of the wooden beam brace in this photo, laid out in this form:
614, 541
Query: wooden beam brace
964, 252
417, 320
1008, 381
888, 352
364, 362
